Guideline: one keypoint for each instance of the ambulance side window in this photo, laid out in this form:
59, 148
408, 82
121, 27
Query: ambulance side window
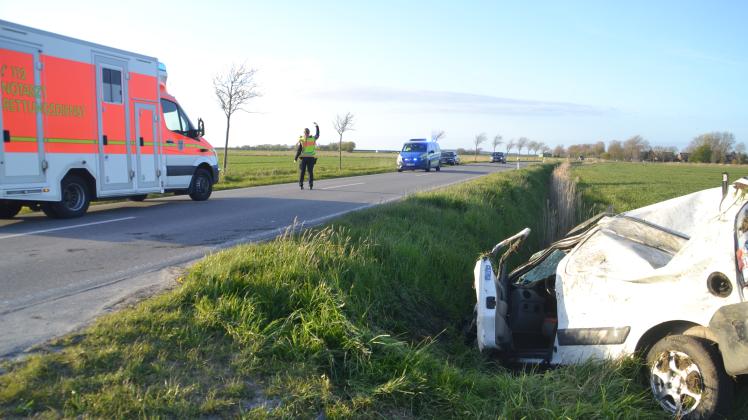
112, 85
171, 115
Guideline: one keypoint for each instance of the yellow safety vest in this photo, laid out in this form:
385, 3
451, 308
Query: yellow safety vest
308, 146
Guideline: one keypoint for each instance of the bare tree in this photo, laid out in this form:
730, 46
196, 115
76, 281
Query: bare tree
438, 135
479, 139
234, 89
633, 147
509, 147
533, 146
497, 140
521, 142
342, 124
739, 152
559, 151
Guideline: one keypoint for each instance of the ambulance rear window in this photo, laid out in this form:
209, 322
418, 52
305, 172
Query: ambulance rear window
112, 85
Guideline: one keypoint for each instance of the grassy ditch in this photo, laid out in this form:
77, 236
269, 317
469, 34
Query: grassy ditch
360, 318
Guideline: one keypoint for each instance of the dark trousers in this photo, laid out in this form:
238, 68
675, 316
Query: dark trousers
307, 164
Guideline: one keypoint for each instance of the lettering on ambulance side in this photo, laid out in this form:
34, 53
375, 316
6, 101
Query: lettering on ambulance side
23, 97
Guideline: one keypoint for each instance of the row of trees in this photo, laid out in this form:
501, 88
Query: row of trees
714, 147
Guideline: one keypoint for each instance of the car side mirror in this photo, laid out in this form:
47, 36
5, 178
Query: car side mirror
200, 127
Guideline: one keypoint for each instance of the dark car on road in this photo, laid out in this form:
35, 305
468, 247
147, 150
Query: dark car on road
498, 157
450, 158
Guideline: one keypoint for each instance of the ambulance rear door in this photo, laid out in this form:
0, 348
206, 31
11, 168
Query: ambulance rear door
22, 145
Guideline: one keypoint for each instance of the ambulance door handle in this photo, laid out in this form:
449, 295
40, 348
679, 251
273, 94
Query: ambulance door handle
6, 136
169, 141
141, 142
104, 140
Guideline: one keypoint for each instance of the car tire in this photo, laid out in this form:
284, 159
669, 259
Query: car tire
76, 198
201, 186
9, 209
139, 198
438, 168
399, 169
428, 167
688, 369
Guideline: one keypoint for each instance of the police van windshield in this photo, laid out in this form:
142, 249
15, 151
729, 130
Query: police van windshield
414, 147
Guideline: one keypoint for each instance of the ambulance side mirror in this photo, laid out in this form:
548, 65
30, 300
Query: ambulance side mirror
200, 127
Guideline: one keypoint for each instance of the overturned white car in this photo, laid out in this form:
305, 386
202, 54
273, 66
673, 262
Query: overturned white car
666, 281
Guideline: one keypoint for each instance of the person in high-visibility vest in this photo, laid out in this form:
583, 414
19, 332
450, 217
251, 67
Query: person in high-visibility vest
305, 150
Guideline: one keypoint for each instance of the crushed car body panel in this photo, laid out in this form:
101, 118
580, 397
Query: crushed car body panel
617, 277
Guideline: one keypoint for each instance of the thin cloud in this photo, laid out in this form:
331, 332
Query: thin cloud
451, 102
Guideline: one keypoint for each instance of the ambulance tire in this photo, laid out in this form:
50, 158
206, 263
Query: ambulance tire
139, 198
9, 209
201, 186
76, 198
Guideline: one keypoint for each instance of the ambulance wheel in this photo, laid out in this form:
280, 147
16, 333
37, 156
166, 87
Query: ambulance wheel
139, 198
9, 209
75, 199
688, 379
201, 186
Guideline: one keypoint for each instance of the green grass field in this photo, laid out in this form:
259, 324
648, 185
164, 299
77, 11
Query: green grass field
626, 186
252, 168
362, 318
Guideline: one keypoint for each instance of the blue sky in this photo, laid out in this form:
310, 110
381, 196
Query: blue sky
557, 72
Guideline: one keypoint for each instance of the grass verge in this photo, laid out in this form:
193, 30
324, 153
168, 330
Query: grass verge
360, 318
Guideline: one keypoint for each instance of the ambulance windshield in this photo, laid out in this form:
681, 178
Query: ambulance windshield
175, 118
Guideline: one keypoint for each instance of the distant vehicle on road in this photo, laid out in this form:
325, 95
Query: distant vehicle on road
498, 157
419, 154
450, 158
82, 121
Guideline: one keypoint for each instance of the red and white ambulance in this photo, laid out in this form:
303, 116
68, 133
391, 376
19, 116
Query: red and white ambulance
82, 121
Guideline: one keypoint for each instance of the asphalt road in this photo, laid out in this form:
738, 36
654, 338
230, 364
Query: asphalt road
56, 275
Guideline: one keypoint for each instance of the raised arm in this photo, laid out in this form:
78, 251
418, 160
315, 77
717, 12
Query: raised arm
316, 135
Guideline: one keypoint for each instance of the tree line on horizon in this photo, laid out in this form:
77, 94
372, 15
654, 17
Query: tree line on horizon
713, 147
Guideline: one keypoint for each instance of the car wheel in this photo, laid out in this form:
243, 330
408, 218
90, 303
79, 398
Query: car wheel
139, 198
75, 199
438, 168
202, 185
399, 169
688, 379
428, 167
9, 209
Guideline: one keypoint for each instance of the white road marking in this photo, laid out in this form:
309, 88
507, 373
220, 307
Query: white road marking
35, 232
421, 175
341, 186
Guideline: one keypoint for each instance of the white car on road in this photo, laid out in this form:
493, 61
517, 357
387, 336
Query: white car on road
666, 281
